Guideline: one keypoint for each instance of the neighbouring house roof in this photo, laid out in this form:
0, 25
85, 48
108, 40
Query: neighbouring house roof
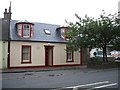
3, 29
0, 29
39, 33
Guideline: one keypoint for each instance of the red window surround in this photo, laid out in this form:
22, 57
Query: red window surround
31, 30
67, 56
25, 29
22, 30
28, 52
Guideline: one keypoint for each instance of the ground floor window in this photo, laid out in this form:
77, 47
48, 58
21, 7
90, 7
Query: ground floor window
26, 54
69, 55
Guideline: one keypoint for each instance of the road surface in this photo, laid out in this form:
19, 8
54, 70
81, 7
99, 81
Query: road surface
87, 79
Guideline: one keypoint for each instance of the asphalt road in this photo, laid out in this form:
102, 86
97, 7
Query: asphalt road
87, 79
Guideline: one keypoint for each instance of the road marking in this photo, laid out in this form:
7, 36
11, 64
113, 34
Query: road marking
103, 86
91, 84
87, 84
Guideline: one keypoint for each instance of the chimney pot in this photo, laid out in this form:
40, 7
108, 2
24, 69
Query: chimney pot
5, 10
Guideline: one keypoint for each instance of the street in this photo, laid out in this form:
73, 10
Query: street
88, 79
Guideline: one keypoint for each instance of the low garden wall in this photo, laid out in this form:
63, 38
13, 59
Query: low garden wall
97, 62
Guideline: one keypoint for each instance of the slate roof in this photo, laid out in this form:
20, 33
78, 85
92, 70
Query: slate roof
39, 34
3, 29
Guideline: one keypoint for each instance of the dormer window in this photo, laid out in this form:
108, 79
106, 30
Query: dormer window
62, 31
25, 29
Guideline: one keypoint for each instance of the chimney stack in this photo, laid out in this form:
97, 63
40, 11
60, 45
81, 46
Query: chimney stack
7, 14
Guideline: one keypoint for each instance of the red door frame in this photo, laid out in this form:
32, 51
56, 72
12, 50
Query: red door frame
47, 62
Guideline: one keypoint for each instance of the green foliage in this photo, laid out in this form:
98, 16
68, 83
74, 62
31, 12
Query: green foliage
116, 45
90, 32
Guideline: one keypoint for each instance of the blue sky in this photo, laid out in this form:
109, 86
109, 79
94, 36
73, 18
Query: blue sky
56, 11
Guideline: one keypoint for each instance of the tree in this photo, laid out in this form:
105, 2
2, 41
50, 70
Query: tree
116, 45
90, 32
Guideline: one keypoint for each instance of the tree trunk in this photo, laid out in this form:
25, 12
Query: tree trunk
103, 55
105, 59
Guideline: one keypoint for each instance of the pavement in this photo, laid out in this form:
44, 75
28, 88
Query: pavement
22, 70
82, 68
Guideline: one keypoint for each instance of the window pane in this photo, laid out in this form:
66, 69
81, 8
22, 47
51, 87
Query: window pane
26, 30
19, 28
27, 27
69, 55
63, 33
26, 53
24, 26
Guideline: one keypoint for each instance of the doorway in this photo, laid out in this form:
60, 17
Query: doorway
48, 55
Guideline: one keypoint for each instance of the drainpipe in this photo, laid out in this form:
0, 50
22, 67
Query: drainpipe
8, 64
9, 19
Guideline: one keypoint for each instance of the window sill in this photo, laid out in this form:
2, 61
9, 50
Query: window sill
26, 62
70, 61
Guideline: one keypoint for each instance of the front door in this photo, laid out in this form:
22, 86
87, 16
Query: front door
48, 55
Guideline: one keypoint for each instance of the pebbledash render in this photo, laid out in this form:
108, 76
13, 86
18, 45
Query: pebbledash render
29, 44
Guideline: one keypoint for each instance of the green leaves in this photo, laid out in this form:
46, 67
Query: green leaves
90, 32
